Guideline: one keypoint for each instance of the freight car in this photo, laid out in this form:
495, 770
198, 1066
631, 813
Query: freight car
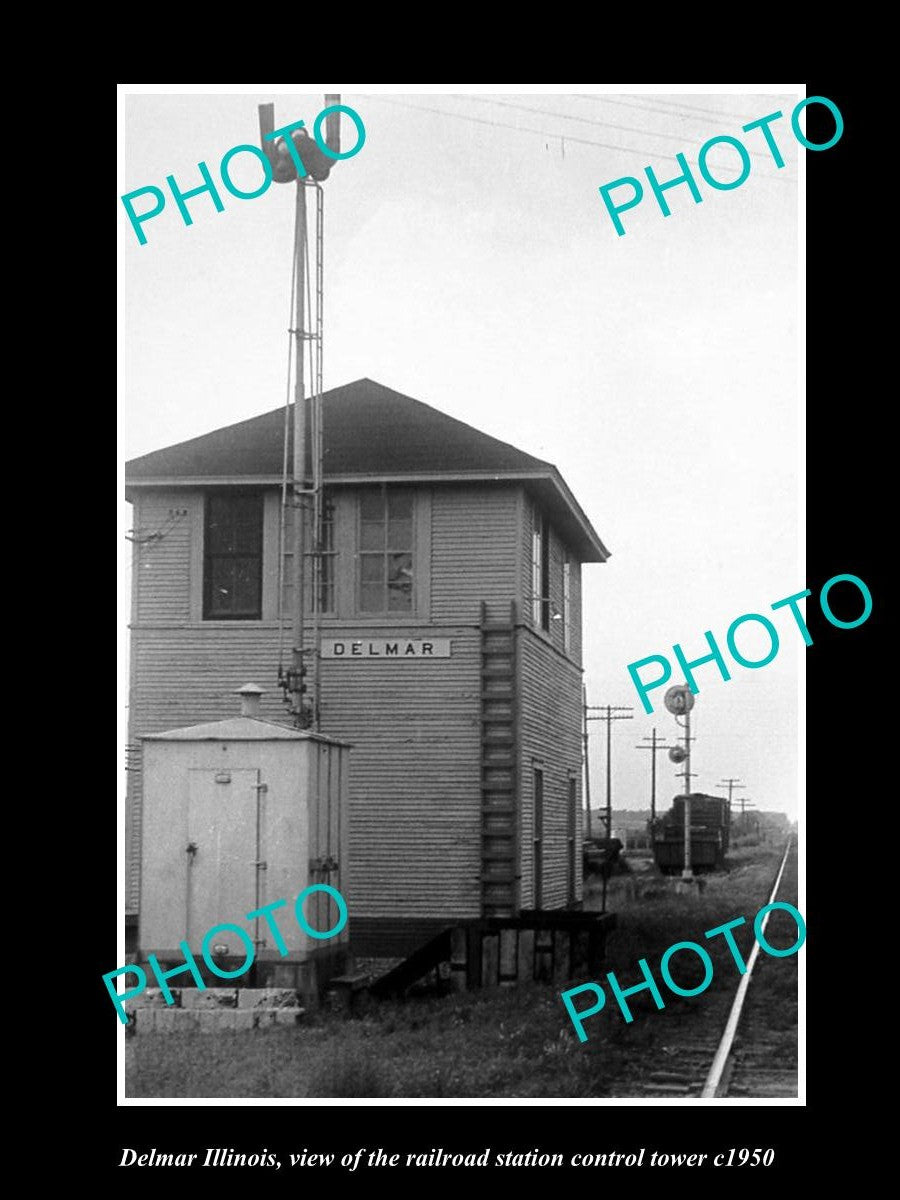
601, 855
710, 822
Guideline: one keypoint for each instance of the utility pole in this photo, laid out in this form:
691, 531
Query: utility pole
655, 746
732, 785
745, 802
587, 765
611, 712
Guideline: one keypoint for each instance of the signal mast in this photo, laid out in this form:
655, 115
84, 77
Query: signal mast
303, 417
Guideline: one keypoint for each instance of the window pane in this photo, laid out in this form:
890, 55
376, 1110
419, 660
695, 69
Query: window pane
234, 525
399, 582
326, 597
246, 585
247, 535
400, 505
371, 506
221, 597
399, 598
219, 534
328, 526
371, 536
371, 597
400, 535
384, 552
371, 568
399, 568
233, 536
326, 584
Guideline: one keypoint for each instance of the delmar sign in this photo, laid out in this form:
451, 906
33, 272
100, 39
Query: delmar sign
384, 648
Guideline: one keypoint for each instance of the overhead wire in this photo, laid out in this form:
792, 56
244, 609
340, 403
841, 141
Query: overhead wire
148, 539
442, 112
554, 136
676, 137
668, 109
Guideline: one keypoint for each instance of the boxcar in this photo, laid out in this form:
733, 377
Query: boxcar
709, 834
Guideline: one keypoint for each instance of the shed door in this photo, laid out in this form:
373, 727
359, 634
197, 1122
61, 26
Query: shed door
221, 872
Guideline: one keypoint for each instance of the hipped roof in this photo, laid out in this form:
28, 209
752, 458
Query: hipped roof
370, 433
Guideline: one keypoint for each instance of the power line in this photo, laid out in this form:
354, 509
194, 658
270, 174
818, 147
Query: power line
545, 133
668, 109
442, 112
147, 539
544, 112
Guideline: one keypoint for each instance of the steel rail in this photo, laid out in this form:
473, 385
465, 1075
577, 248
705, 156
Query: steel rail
714, 1078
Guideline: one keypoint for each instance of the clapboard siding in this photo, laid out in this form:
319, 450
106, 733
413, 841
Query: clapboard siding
415, 781
549, 732
182, 675
473, 552
415, 725
162, 564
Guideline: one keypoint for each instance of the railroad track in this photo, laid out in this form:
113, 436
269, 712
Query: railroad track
746, 1059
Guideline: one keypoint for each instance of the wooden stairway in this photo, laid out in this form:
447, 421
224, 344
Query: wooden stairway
499, 809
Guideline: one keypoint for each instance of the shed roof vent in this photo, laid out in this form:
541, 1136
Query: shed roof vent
250, 695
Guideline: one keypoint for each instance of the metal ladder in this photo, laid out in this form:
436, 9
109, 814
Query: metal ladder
499, 771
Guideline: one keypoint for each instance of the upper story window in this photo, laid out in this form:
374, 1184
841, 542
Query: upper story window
232, 557
385, 572
540, 571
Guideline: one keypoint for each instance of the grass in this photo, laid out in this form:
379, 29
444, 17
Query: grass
508, 1042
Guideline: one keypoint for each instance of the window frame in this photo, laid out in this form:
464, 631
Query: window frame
572, 837
209, 498
327, 583
385, 552
540, 571
537, 834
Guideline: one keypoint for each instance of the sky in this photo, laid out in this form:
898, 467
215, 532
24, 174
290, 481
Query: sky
470, 263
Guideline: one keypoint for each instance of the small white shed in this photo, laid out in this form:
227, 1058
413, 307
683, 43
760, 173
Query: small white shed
239, 814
